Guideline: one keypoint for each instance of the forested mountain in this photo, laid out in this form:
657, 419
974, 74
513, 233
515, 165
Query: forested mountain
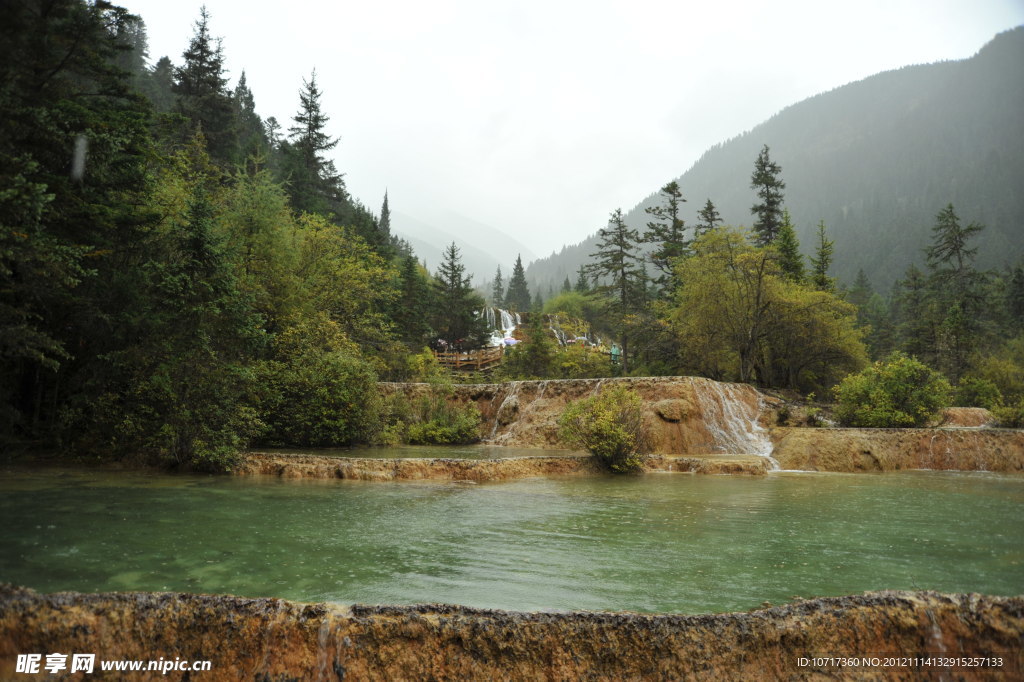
876, 160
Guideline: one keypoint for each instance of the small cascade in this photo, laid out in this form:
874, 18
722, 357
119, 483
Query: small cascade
731, 420
513, 394
501, 323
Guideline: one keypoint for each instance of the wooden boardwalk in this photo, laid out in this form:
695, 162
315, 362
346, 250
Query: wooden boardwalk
481, 359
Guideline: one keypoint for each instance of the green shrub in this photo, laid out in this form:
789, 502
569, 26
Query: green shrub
429, 419
977, 392
320, 400
900, 391
1010, 416
611, 426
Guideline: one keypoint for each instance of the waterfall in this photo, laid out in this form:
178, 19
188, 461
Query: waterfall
732, 421
501, 323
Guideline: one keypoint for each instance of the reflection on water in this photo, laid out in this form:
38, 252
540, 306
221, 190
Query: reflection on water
649, 543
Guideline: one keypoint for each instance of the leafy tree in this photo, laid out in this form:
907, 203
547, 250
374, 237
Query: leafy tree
341, 275
667, 233
518, 295
899, 392
617, 261
611, 426
320, 392
791, 261
822, 261
457, 318
202, 96
738, 318
708, 215
765, 180
316, 185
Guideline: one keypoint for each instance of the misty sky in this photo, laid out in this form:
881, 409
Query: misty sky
539, 118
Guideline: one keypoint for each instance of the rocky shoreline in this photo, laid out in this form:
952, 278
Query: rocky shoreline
274, 639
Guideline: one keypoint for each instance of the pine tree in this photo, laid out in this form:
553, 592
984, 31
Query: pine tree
253, 144
159, 86
617, 261
958, 288
582, 283
1014, 298
916, 330
384, 223
518, 295
822, 261
791, 261
765, 180
498, 290
412, 308
566, 285
667, 233
202, 96
316, 185
457, 318
709, 215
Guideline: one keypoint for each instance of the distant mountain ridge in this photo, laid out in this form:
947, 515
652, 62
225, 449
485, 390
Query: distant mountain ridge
877, 160
483, 248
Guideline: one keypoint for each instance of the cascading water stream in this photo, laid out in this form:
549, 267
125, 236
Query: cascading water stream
732, 421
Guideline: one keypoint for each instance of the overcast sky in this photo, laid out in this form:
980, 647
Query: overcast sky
539, 118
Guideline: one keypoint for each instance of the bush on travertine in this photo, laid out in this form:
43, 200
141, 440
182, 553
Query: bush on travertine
611, 426
897, 392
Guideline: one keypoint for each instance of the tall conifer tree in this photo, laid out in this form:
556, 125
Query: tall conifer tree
317, 187
518, 295
202, 96
617, 262
708, 215
822, 261
667, 233
765, 180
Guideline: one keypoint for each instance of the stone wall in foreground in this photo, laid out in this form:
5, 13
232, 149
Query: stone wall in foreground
272, 639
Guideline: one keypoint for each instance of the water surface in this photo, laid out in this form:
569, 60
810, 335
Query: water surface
665, 543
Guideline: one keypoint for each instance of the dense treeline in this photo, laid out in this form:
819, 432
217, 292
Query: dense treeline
179, 276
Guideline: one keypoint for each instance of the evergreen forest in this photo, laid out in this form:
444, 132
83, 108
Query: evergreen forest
181, 278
